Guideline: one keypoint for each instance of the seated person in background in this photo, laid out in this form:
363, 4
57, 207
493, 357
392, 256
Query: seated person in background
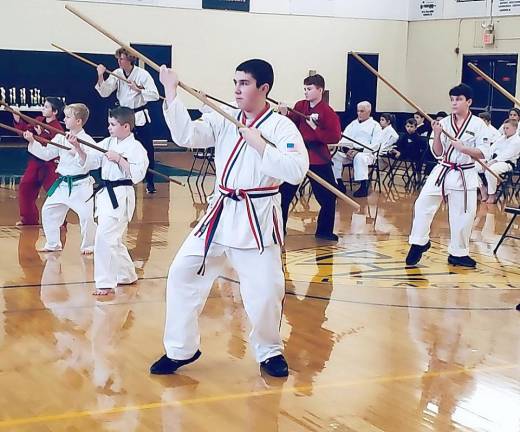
504, 154
388, 135
514, 114
410, 145
494, 134
423, 128
367, 131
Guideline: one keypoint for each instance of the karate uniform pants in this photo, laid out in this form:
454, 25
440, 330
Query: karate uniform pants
461, 222
360, 162
498, 168
37, 174
112, 262
262, 288
55, 210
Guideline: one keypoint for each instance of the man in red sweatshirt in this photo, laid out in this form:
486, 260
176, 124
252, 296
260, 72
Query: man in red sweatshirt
38, 172
321, 127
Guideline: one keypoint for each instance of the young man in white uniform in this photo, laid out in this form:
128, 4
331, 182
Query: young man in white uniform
243, 221
454, 177
368, 132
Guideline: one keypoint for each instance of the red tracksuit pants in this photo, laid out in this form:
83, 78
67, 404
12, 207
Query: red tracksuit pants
37, 174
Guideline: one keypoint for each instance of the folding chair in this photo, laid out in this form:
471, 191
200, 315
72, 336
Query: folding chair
515, 212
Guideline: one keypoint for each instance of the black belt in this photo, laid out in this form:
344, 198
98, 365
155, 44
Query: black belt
135, 110
110, 185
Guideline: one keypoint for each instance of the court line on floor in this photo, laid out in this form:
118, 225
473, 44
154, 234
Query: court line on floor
322, 298
72, 415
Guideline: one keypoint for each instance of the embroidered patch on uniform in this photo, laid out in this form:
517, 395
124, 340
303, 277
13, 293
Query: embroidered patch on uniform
291, 147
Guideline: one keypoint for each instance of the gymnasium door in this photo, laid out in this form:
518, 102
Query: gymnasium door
160, 54
502, 68
361, 84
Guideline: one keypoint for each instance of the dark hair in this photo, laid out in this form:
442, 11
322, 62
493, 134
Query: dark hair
485, 115
419, 114
123, 115
390, 118
462, 90
411, 121
316, 80
260, 70
130, 57
441, 114
516, 110
56, 104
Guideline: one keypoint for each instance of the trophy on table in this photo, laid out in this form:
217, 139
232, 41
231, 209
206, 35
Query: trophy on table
23, 99
12, 96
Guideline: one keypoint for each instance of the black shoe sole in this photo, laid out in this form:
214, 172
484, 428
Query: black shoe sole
184, 363
461, 265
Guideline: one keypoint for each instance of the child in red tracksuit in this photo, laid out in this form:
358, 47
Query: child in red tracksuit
38, 172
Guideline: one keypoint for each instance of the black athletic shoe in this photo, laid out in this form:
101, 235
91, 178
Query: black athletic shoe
330, 237
415, 253
151, 189
167, 366
275, 366
463, 261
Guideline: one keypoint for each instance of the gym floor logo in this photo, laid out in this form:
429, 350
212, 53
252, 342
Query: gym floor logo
381, 263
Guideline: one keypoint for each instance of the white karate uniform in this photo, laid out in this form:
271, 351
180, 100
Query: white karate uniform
494, 134
504, 150
388, 138
130, 98
112, 263
58, 204
460, 188
367, 133
248, 231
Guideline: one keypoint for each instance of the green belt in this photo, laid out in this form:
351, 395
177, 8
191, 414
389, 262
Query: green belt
66, 179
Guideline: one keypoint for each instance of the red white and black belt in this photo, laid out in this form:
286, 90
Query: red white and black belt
451, 166
210, 222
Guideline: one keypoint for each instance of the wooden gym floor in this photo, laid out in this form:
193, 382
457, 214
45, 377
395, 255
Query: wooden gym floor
372, 346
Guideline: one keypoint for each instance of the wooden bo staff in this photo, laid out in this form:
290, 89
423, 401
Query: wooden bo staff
38, 138
415, 106
91, 63
85, 143
306, 117
204, 99
494, 84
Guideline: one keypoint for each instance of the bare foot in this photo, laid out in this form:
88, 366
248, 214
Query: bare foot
483, 194
128, 283
48, 250
103, 291
492, 199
